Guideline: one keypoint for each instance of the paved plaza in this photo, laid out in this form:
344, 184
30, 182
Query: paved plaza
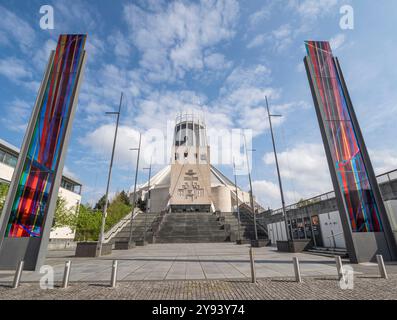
190, 262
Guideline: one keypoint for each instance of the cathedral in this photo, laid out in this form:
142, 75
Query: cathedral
190, 183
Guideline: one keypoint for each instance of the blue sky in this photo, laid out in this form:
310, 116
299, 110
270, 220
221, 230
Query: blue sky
217, 57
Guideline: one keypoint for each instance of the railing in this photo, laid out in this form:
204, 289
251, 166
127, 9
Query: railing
333, 236
249, 213
156, 225
120, 225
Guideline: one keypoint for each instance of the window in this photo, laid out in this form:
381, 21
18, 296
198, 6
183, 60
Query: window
203, 157
10, 160
2, 155
76, 188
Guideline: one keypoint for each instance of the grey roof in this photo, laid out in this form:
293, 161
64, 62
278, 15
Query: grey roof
9, 146
15, 150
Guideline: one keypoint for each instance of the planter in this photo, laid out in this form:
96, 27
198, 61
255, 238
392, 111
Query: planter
124, 245
260, 243
89, 249
243, 241
293, 245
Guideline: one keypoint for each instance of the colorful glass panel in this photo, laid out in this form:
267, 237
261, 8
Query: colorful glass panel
30, 204
342, 139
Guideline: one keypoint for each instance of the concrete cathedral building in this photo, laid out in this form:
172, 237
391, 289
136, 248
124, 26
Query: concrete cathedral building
190, 200
190, 183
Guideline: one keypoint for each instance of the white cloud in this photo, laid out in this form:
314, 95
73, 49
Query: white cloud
42, 55
100, 142
305, 167
257, 41
121, 44
67, 15
267, 193
217, 61
313, 8
383, 160
14, 69
337, 41
20, 111
279, 39
259, 16
243, 96
242, 77
15, 30
66, 171
172, 41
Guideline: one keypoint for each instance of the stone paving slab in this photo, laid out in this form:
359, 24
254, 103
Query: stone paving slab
190, 262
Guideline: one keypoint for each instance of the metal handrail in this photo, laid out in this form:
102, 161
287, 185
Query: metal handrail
335, 235
119, 226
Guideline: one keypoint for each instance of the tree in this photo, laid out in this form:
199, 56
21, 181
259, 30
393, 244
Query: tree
123, 197
64, 217
89, 220
3, 194
88, 224
141, 204
100, 204
117, 210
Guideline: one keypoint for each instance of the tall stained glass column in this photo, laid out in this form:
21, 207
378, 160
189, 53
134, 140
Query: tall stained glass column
29, 209
365, 223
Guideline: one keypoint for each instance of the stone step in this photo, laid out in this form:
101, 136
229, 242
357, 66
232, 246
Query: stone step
189, 240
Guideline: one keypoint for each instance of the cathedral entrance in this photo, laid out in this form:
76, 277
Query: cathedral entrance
191, 208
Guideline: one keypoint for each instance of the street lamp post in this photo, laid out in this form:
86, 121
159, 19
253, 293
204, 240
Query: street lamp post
251, 194
135, 182
278, 169
148, 200
105, 208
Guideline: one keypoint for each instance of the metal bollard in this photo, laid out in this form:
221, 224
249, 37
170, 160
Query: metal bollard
297, 270
113, 281
252, 261
66, 274
339, 267
18, 275
381, 265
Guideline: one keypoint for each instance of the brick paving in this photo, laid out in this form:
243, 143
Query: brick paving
366, 287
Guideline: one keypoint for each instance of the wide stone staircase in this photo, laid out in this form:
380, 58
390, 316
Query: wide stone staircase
141, 222
188, 227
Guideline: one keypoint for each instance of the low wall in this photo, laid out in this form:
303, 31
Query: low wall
61, 244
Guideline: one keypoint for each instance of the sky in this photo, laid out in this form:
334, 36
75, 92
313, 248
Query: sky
218, 59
